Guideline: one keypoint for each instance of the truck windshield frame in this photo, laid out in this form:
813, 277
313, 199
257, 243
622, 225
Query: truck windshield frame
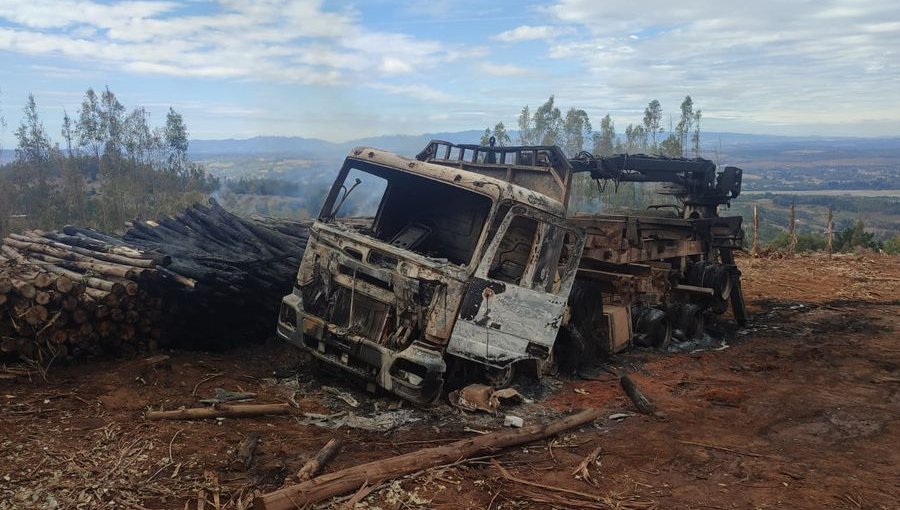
430, 217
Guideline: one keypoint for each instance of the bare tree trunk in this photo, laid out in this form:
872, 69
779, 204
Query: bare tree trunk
755, 249
829, 231
792, 232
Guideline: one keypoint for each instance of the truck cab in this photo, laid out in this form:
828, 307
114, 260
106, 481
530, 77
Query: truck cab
411, 262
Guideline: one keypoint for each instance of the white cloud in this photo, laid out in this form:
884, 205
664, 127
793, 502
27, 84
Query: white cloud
286, 41
416, 91
64, 13
530, 33
773, 62
503, 70
392, 65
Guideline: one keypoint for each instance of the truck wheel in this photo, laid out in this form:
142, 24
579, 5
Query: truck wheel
652, 327
500, 378
573, 351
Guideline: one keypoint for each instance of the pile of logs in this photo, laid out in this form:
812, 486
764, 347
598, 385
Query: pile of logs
231, 273
76, 292
202, 279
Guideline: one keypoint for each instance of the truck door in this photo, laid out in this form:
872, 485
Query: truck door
513, 306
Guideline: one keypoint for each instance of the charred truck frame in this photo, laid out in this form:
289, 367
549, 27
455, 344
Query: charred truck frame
464, 259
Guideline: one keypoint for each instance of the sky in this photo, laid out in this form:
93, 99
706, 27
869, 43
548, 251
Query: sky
340, 70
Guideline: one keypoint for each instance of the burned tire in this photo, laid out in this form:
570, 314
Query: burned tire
712, 276
652, 327
578, 344
690, 322
572, 352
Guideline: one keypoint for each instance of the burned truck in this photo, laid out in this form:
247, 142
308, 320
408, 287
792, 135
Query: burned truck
464, 261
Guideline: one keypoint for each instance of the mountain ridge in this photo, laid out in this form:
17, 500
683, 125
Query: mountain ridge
412, 144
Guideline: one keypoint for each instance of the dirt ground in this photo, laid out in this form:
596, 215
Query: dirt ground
798, 410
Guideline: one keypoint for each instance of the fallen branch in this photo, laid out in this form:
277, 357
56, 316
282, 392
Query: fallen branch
583, 469
246, 448
558, 501
352, 478
315, 464
724, 449
360, 495
642, 403
207, 379
222, 411
509, 476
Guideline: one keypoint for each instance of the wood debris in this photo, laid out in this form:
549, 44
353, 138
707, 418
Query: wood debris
352, 478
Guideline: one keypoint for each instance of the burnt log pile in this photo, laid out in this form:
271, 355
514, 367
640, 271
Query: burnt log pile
205, 279
229, 273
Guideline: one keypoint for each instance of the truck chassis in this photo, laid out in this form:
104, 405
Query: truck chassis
470, 260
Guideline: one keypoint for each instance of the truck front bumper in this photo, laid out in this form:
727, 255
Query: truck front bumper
416, 373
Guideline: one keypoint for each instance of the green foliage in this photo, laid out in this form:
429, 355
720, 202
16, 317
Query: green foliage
635, 139
806, 242
685, 124
33, 144
892, 245
67, 131
176, 137
526, 128
652, 118
115, 169
854, 236
548, 124
605, 139
501, 136
264, 186
2, 126
112, 122
861, 205
671, 146
485, 137
576, 131
695, 138
87, 129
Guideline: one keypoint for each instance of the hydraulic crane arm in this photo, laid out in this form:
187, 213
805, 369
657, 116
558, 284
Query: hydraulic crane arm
696, 180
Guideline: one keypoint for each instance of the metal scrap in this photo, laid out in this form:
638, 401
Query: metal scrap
377, 422
480, 397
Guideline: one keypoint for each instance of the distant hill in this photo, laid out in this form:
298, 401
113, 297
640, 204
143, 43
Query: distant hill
412, 144
409, 145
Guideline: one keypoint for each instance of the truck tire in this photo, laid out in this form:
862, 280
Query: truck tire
580, 342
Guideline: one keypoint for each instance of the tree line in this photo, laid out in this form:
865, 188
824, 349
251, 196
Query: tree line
112, 167
846, 238
546, 125
574, 133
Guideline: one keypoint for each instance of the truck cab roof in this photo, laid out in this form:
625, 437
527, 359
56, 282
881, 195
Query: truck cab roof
466, 176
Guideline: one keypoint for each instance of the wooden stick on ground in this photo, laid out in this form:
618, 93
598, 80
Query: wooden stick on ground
584, 468
642, 403
246, 448
221, 411
315, 464
509, 476
723, 448
352, 478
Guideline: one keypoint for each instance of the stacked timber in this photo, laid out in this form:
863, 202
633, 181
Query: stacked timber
72, 293
205, 278
230, 273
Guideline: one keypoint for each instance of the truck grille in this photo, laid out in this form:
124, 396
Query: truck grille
369, 315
